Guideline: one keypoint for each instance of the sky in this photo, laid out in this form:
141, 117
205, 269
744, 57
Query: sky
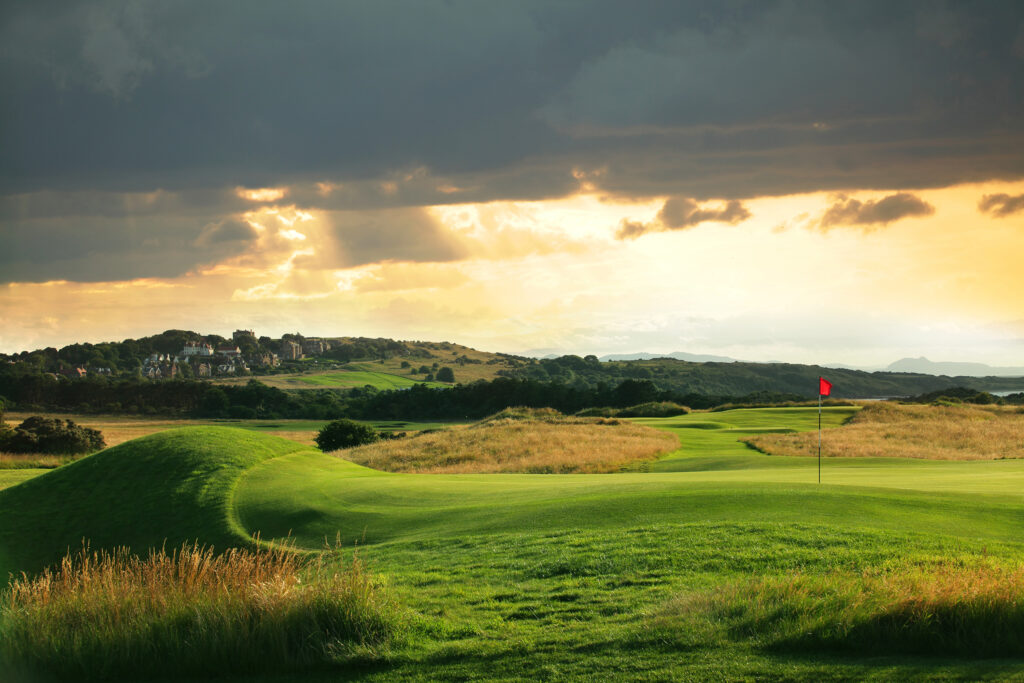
811, 182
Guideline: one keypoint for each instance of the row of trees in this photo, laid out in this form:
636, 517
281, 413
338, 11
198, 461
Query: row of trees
738, 378
257, 400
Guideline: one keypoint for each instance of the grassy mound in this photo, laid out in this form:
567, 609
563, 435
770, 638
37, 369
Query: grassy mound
174, 486
191, 612
532, 441
931, 432
939, 612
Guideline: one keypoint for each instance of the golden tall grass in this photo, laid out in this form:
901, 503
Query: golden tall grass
546, 443
114, 614
911, 431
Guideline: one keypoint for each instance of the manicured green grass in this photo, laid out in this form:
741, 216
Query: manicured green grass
16, 476
176, 486
560, 576
360, 378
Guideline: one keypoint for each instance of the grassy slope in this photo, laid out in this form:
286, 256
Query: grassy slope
9, 478
176, 485
553, 575
347, 379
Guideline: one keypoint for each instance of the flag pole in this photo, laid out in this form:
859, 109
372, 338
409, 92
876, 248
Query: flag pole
819, 431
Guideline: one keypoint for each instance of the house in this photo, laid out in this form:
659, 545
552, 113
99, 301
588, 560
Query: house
197, 349
239, 335
74, 372
266, 359
315, 347
229, 351
290, 350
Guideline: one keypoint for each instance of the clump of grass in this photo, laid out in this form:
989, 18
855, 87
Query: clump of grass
935, 432
944, 611
532, 441
111, 615
21, 461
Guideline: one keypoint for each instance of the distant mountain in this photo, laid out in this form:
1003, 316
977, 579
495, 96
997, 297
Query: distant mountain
678, 355
924, 366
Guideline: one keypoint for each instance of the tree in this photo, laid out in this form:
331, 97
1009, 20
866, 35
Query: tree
445, 375
47, 435
345, 434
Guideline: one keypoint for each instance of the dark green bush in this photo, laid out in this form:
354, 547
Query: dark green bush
654, 409
50, 435
345, 434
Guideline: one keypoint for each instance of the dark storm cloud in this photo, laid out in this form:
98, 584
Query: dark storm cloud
739, 99
847, 211
132, 109
101, 249
1001, 205
226, 231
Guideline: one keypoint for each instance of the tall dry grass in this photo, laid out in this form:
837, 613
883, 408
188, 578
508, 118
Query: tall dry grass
940, 611
911, 431
18, 461
532, 442
114, 615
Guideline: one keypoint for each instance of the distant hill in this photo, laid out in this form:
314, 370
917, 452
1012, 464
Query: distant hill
924, 366
678, 355
738, 378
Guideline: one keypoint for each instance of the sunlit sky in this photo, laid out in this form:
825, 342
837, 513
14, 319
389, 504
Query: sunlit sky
845, 187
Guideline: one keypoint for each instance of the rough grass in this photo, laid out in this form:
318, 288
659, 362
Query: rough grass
22, 461
911, 431
537, 441
113, 615
943, 611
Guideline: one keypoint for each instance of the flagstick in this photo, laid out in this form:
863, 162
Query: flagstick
819, 435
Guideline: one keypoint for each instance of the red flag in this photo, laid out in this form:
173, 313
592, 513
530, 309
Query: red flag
824, 386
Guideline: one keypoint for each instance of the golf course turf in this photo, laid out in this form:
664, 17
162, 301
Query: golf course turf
514, 576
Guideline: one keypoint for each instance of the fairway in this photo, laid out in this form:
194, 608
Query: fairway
545, 576
359, 378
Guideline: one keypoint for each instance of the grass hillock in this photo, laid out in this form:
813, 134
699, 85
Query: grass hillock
942, 611
523, 440
932, 432
116, 616
174, 486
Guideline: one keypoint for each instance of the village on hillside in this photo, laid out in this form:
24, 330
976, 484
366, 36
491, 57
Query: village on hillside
243, 354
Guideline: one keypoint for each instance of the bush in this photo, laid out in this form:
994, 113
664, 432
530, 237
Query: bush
445, 375
597, 412
49, 435
654, 409
345, 434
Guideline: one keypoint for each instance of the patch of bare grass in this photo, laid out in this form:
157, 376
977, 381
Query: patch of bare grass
521, 440
892, 430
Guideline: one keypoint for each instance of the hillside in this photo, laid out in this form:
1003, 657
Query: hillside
173, 486
741, 378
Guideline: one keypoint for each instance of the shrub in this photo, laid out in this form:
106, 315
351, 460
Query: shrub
445, 375
597, 412
190, 612
50, 435
654, 409
345, 434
